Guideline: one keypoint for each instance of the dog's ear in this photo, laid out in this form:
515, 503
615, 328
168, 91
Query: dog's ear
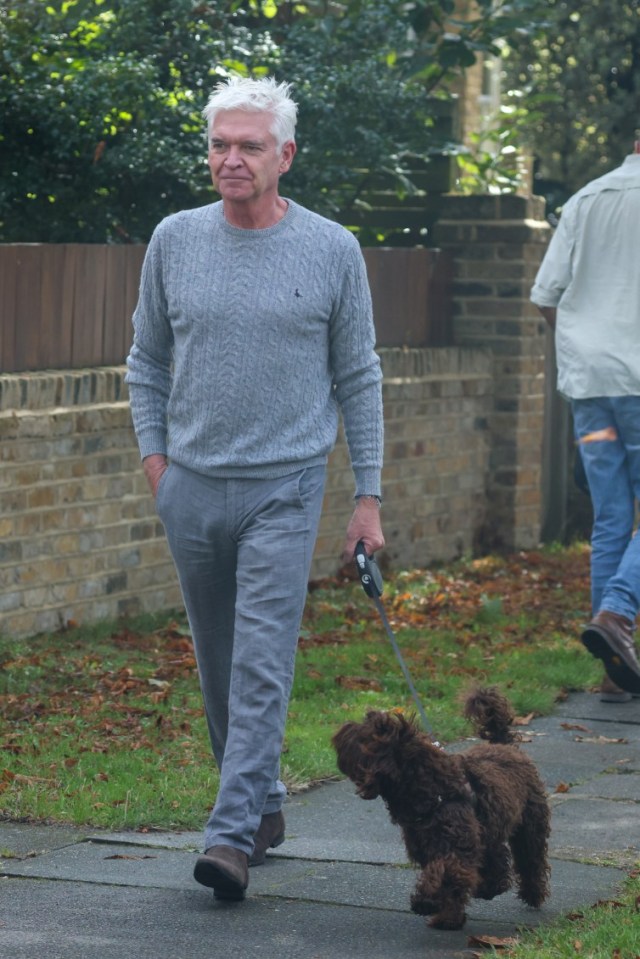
348, 744
363, 751
388, 732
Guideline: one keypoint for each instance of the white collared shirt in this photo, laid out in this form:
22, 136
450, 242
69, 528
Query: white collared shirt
591, 274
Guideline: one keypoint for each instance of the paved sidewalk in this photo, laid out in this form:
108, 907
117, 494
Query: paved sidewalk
338, 887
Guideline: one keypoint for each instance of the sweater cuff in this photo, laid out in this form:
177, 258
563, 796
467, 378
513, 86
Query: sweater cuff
152, 442
368, 483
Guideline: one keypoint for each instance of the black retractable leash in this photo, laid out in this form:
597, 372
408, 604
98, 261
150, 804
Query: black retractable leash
372, 583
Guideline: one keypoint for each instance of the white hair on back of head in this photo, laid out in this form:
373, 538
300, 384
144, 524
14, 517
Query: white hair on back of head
264, 95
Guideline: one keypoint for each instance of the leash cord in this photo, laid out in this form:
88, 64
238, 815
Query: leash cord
371, 579
403, 667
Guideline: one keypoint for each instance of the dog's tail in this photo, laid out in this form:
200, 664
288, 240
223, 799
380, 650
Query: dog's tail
491, 715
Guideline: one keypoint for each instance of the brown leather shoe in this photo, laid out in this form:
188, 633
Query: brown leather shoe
270, 834
225, 870
609, 637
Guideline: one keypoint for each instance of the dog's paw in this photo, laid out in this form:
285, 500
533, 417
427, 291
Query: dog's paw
533, 897
491, 889
423, 907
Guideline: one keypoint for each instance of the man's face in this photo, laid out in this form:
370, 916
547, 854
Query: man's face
244, 160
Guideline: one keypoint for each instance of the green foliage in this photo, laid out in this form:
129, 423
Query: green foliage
100, 125
493, 161
100, 100
578, 75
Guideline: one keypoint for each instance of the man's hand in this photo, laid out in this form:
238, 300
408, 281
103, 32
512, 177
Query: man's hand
549, 313
154, 466
364, 525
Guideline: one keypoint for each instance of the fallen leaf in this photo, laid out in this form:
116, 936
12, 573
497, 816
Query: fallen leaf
358, 682
585, 729
562, 788
611, 903
523, 720
492, 942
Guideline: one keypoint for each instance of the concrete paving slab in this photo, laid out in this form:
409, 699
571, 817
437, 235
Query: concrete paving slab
572, 756
156, 839
18, 840
326, 823
345, 883
596, 826
589, 753
86, 921
617, 785
583, 730
589, 706
110, 864
91, 921
310, 918
340, 884
332, 822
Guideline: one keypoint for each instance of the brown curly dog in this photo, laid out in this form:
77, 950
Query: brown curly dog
469, 820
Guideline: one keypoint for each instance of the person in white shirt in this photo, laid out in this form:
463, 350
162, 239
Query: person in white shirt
588, 290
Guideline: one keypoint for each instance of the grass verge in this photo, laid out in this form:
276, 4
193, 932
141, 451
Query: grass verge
608, 930
103, 725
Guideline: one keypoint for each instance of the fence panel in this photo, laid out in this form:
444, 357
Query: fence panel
411, 293
69, 306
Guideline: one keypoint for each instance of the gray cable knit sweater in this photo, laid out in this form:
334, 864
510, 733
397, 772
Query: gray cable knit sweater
246, 342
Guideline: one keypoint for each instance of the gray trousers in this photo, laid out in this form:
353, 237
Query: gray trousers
242, 550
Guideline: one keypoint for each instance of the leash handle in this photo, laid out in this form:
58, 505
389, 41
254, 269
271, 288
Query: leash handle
368, 571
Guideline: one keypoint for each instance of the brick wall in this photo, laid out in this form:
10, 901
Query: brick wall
497, 243
79, 538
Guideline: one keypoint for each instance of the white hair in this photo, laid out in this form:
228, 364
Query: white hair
262, 95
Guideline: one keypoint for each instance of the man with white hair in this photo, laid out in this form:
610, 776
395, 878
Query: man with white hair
253, 330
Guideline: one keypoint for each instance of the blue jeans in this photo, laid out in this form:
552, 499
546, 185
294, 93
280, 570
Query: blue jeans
607, 430
243, 550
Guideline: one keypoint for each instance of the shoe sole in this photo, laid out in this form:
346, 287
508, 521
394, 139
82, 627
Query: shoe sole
616, 668
207, 873
260, 860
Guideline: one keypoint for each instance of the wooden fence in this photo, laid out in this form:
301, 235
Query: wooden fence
69, 306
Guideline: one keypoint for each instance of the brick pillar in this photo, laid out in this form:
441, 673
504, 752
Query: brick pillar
497, 243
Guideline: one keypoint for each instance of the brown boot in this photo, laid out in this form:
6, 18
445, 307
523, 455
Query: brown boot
225, 870
270, 834
609, 637
610, 693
